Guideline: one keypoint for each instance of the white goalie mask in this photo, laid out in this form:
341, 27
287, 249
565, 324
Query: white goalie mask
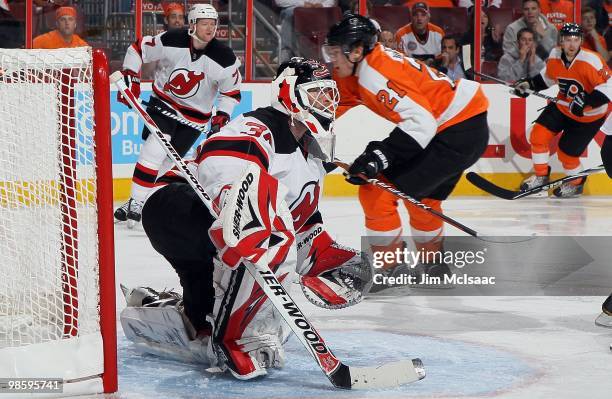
305, 91
201, 11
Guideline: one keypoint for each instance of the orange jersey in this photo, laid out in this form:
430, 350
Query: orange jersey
558, 12
408, 43
53, 39
418, 98
586, 73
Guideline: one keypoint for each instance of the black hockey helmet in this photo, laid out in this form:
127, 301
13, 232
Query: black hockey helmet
351, 31
304, 90
571, 29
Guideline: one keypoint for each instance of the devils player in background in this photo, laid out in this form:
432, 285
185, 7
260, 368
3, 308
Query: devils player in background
286, 144
584, 82
193, 69
441, 130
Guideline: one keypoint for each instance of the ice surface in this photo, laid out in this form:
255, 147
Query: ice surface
502, 347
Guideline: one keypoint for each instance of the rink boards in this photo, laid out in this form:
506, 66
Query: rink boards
505, 162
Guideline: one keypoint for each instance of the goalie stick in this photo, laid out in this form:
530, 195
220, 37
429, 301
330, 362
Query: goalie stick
339, 374
401, 195
506, 194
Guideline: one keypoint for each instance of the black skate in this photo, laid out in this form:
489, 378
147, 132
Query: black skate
605, 318
569, 190
536, 181
390, 280
431, 276
131, 212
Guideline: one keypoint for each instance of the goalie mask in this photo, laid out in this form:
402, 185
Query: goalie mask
201, 11
304, 90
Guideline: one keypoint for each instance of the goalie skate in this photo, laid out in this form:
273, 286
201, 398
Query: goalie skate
160, 328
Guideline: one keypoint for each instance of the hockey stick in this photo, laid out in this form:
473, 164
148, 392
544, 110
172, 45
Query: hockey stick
176, 117
467, 64
533, 92
339, 374
506, 194
401, 195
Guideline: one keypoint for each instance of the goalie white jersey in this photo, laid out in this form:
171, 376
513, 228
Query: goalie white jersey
261, 137
187, 79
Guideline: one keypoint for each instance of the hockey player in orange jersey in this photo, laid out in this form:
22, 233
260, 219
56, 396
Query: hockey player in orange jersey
441, 130
584, 83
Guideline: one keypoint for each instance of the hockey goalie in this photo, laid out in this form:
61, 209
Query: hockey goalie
263, 171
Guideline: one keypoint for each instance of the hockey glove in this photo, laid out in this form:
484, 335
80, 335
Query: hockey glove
520, 87
576, 107
332, 276
374, 160
132, 81
218, 121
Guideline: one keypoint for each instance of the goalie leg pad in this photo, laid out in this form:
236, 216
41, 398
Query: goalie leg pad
247, 330
165, 332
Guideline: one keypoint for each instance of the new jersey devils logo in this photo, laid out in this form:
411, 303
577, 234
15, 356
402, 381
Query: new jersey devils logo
183, 83
305, 204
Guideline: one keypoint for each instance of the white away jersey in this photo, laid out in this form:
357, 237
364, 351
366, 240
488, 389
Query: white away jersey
186, 79
261, 137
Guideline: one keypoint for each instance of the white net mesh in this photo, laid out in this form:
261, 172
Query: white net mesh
48, 227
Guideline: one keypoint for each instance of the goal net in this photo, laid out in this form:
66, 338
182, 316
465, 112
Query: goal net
52, 248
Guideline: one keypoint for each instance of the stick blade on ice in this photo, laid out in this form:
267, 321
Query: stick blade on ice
386, 376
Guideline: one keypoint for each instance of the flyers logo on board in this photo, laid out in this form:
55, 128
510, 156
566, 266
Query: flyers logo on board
184, 83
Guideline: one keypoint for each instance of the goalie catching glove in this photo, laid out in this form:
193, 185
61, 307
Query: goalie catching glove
332, 276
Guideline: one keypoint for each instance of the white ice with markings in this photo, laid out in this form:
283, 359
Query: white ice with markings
500, 347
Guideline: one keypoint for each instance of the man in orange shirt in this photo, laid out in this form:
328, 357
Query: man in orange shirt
441, 130
64, 35
558, 12
592, 39
584, 83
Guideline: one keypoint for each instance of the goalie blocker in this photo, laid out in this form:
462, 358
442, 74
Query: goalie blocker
268, 214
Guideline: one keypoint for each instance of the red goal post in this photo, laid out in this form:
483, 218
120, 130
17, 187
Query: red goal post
57, 284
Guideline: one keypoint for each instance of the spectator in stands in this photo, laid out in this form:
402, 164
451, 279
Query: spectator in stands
11, 30
592, 39
546, 34
449, 62
558, 12
431, 3
490, 39
174, 15
524, 63
420, 39
64, 35
288, 44
387, 39
603, 11
485, 3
